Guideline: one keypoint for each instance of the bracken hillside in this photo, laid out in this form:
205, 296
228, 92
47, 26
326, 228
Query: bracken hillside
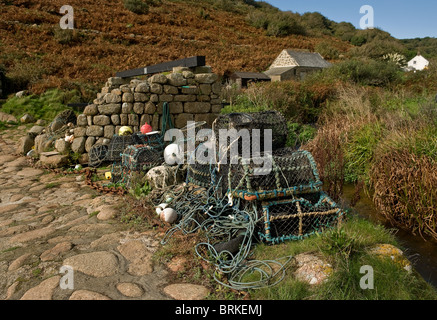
37, 54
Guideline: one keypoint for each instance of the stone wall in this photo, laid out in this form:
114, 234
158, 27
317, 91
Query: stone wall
192, 95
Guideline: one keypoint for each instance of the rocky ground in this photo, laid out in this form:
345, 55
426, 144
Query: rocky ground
62, 240
48, 221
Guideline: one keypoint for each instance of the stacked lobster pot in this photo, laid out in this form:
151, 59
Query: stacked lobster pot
198, 169
112, 152
283, 184
141, 157
129, 154
102, 154
133, 152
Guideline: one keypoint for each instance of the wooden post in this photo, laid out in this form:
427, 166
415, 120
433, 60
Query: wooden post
267, 221
300, 215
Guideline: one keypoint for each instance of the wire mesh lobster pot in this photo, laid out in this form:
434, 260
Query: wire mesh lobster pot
189, 135
97, 155
137, 158
298, 218
262, 121
117, 146
142, 157
152, 139
188, 140
199, 175
199, 170
117, 173
283, 173
192, 127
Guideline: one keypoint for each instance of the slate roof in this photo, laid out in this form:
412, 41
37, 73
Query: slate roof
250, 75
308, 59
278, 71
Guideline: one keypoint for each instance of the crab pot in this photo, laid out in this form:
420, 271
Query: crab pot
142, 157
189, 137
117, 146
117, 175
97, 155
199, 171
191, 127
267, 120
155, 140
199, 174
298, 218
284, 173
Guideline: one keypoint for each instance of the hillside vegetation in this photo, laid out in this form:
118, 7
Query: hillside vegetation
36, 53
114, 35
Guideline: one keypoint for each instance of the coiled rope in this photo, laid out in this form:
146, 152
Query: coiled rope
221, 222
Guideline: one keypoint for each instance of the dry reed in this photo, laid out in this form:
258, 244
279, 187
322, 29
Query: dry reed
405, 190
327, 150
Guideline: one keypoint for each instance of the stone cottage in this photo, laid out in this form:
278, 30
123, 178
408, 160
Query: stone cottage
295, 65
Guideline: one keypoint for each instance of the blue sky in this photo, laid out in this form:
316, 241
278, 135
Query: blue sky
403, 19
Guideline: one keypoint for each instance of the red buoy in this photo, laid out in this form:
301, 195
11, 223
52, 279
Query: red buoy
146, 129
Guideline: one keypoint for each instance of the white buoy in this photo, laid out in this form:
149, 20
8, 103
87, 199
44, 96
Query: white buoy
169, 215
161, 208
31, 153
173, 155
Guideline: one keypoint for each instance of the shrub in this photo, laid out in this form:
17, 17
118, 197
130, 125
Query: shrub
154, 3
326, 50
236, 6
258, 19
299, 134
344, 30
375, 47
24, 73
226, 5
136, 6
299, 102
316, 23
263, 96
369, 72
283, 26
422, 82
397, 58
66, 36
358, 40
275, 23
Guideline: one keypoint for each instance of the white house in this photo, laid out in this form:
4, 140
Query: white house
418, 63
